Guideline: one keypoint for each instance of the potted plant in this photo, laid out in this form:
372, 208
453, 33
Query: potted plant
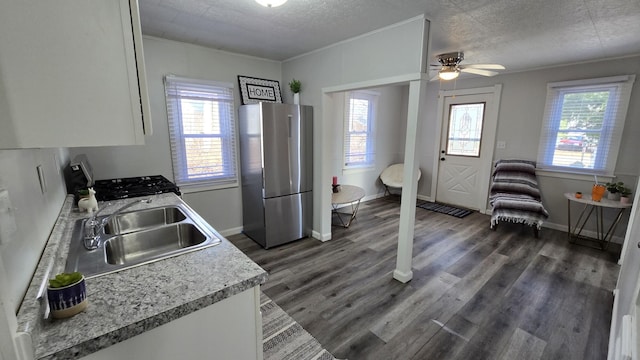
625, 195
67, 295
295, 86
614, 189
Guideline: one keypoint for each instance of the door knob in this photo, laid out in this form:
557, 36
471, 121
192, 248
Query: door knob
442, 159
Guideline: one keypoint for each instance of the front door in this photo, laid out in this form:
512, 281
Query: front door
466, 149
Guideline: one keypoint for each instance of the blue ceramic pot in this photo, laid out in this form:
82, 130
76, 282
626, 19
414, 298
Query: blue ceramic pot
69, 300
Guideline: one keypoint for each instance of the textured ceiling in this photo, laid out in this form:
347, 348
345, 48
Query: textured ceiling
520, 34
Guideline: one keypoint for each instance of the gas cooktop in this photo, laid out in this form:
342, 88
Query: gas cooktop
123, 188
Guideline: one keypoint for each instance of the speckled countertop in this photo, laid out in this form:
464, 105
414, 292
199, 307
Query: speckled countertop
130, 302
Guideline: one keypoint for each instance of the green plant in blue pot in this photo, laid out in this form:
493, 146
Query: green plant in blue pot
67, 295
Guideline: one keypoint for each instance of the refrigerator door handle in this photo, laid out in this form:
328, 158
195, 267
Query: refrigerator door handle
290, 117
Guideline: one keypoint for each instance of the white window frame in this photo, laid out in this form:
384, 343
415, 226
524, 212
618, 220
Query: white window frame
612, 128
372, 97
177, 88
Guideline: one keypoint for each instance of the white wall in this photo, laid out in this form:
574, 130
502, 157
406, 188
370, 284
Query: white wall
387, 53
520, 121
26, 214
390, 125
26, 219
358, 59
221, 208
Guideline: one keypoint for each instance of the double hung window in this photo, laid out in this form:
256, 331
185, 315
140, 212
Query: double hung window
201, 131
583, 123
360, 112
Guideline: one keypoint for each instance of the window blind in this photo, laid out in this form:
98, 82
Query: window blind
583, 124
201, 131
359, 123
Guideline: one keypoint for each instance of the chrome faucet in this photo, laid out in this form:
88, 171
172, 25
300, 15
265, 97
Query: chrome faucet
93, 228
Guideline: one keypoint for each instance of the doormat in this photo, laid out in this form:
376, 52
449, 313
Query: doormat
445, 209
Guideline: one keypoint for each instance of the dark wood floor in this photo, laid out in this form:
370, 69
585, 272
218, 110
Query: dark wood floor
475, 293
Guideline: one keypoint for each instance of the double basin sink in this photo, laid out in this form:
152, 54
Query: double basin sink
139, 237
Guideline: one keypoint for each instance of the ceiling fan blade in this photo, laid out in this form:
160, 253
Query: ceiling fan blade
483, 66
479, 72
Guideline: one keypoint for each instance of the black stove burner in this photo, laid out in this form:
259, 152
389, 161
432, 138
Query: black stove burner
114, 189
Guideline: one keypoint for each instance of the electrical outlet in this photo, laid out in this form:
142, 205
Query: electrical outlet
501, 145
8, 226
43, 183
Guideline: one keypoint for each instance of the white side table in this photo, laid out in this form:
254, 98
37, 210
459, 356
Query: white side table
603, 236
348, 194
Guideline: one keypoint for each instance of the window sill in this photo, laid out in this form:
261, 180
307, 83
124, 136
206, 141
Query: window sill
189, 189
573, 175
360, 169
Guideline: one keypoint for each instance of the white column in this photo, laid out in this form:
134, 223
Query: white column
323, 141
403, 273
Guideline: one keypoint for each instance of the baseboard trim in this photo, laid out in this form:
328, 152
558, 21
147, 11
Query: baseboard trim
588, 233
565, 228
366, 198
326, 237
231, 231
237, 230
613, 336
322, 237
402, 276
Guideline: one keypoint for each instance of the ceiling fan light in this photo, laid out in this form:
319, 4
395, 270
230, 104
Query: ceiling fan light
271, 3
448, 73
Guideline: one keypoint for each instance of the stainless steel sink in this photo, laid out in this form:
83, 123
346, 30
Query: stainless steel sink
143, 219
143, 245
139, 237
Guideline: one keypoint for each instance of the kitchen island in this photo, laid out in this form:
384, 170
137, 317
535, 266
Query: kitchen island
213, 293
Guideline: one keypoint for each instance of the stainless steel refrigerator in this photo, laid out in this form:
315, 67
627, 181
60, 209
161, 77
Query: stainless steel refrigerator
276, 153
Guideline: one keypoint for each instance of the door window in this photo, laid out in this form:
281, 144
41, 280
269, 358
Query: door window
465, 129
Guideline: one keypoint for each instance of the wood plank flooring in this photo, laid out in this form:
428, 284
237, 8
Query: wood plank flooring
475, 294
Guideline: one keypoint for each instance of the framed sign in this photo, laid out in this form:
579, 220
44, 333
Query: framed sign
254, 90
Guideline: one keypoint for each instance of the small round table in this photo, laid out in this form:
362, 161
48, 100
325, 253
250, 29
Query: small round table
593, 206
348, 194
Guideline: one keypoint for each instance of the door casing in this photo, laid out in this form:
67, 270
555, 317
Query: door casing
489, 135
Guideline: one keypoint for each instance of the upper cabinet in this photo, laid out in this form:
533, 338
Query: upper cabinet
72, 74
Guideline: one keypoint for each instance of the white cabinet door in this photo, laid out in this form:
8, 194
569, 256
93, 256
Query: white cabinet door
71, 74
229, 329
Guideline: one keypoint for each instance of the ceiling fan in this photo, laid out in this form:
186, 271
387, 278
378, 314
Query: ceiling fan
450, 67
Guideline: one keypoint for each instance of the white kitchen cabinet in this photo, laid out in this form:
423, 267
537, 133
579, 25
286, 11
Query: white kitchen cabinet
71, 74
228, 329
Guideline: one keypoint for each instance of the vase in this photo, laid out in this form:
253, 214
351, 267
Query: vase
296, 98
69, 300
625, 200
613, 196
597, 191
